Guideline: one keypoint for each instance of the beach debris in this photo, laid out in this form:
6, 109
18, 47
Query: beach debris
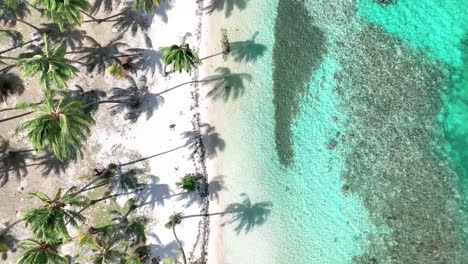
172, 127
225, 45
386, 2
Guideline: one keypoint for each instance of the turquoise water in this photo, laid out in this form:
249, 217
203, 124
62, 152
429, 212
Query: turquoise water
354, 126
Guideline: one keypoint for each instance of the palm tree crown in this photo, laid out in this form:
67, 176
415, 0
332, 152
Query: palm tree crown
40, 252
147, 5
181, 57
58, 125
50, 220
51, 66
63, 12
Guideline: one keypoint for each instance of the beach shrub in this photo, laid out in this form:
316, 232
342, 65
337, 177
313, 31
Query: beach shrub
188, 182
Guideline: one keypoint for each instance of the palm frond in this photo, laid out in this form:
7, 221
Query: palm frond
63, 12
51, 66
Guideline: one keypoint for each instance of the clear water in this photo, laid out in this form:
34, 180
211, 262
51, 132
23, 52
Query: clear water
354, 127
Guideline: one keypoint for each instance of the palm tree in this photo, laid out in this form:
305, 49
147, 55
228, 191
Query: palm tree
174, 220
63, 12
40, 252
58, 125
51, 66
147, 5
181, 57
50, 220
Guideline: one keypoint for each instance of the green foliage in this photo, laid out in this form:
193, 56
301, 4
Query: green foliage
13, 4
40, 252
3, 245
174, 219
50, 65
180, 57
49, 221
188, 183
147, 5
63, 12
116, 69
58, 125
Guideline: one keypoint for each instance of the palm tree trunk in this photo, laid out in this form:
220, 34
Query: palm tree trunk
106, 19
103, 102
17, 116
180, 245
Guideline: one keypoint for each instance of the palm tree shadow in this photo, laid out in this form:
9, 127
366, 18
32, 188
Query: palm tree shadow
124, 181
70, 37
100, 57
228, 5
10, 84
161, 11
148, 60
133, 20
49, 164
10, 16
212, 141
12, 162
191, 197
247, 50
136, 100
86, 97
163, 251
153, 193
107, 5
227, 84
10, 242
15, 36
248, 215
215, 186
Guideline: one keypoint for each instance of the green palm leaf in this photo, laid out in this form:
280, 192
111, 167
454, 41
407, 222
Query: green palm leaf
51, 66
49, 221
147, 5
63, 12
180, 57
40, 252
59, 126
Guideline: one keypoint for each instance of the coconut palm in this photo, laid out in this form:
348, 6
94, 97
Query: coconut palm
58, 125
50, 65
147, 5
180, 57
50, 220
40, 252
174, 220
63, 12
